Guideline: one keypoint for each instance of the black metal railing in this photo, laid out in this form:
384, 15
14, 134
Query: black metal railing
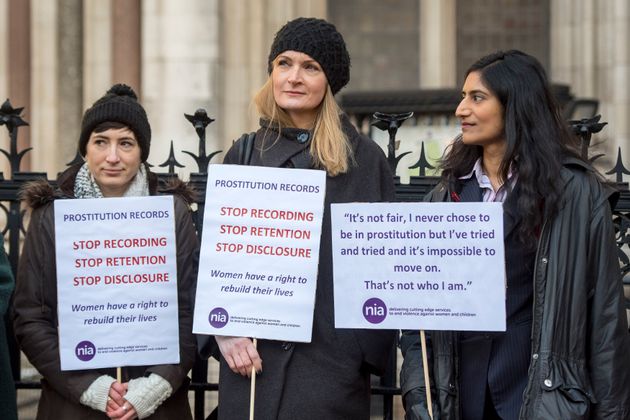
418, 186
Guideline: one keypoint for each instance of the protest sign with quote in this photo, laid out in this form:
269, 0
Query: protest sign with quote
116, 282
434, 266
259, 252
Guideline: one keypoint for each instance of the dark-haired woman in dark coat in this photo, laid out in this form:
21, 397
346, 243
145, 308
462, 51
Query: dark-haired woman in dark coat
566, 351
115, 140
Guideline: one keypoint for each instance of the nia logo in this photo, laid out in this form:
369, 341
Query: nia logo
85, 351
374, 310
218, 317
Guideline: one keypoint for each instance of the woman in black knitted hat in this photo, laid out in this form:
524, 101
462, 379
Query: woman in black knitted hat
303, 127
115, 140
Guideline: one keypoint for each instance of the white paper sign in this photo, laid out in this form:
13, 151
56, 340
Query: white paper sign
259, 252
116, 282
433, 266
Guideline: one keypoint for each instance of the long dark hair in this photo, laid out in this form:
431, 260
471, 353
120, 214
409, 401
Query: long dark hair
537, 137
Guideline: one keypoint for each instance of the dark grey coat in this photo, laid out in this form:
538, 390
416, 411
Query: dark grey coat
329, 377
580, 363
7, 387
35, 310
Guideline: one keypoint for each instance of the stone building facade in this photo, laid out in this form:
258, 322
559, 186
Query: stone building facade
58, 56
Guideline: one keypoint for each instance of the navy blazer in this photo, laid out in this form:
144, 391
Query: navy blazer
497, 363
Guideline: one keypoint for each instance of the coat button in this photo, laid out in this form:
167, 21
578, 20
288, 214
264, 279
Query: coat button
545, 260
302, 138
548, 383
535, 356
286, 346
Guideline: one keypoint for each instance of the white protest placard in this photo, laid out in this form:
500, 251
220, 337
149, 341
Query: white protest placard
116, 282
259, 252
433, 266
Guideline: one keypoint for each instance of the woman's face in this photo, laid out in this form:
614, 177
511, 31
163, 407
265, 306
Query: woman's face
113, 158
299, 86
480, 113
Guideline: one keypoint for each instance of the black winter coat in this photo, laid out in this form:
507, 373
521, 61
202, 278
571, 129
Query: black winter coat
580, 359
327, 378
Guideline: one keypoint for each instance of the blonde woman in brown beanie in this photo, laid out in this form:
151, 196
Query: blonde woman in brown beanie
303, 127
115, 141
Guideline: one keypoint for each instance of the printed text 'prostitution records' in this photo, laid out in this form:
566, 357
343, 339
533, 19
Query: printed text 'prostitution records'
433, 266
116, 282
259, 252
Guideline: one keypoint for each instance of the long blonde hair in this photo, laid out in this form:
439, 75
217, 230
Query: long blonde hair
330, 147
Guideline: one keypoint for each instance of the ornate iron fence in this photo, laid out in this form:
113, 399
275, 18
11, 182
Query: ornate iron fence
418, 186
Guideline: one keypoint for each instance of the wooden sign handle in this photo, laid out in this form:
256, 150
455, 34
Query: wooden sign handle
425, 366
252, 391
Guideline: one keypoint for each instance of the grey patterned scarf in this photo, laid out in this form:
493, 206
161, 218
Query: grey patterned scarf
85, 185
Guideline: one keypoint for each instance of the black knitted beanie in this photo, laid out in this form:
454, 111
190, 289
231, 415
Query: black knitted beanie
119, 104
320, 40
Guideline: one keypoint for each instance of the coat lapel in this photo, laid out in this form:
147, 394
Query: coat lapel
471, 192
511, 218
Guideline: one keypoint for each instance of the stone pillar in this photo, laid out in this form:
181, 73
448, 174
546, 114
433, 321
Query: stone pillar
4, 50
44, 115
572, 43
243, 34
126, 43
590, 52
97, 49
437, 44
4, 75
56, 83
246, 31
18, 67
560, 39
618, 75
69, 77
179, 74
